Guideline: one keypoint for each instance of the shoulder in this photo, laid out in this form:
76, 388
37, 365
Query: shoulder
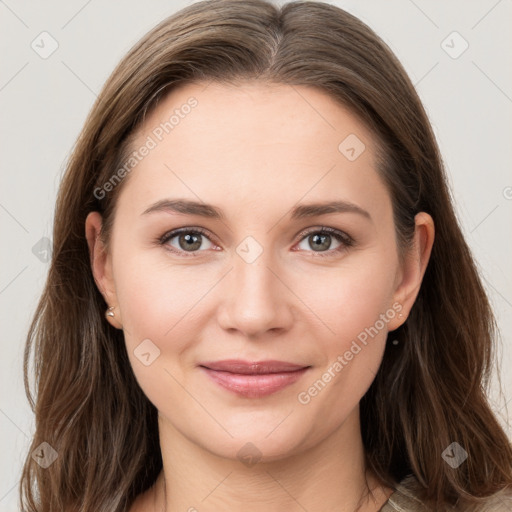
500, 502
406, 499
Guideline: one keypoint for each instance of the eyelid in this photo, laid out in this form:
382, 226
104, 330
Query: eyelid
324, 229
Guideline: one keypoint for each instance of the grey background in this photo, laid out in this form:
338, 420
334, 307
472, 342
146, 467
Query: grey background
44, 102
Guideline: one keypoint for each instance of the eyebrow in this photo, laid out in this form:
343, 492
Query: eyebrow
188, 207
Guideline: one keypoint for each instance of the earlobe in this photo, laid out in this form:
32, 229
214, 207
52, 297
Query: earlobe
101, 266
414, 266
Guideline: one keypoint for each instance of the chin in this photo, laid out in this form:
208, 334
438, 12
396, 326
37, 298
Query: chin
256, 443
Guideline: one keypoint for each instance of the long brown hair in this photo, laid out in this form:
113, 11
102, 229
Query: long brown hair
431, 389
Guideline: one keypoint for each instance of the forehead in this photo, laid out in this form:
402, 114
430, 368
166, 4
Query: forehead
260, 109
252, 141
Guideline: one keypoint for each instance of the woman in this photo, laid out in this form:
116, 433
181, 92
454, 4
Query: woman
260, 297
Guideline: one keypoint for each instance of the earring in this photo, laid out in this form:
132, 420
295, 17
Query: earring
110, 312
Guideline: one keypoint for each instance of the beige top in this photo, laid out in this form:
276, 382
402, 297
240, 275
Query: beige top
405, 499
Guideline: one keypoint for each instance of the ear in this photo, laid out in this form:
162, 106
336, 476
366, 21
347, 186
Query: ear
413, 267
101, 265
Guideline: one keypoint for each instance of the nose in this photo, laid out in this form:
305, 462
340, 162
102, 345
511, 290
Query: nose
256, 298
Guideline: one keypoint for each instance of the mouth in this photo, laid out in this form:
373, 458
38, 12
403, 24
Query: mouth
253, 379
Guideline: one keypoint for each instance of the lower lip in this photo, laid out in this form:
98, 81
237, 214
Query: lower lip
254, 386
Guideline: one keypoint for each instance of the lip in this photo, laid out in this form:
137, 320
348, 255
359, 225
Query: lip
253, 379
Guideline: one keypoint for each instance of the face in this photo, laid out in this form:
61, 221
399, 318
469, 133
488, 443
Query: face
261, 277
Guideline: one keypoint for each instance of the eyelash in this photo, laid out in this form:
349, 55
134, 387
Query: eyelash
346, 240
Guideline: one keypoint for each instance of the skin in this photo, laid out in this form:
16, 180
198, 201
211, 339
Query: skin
255, 150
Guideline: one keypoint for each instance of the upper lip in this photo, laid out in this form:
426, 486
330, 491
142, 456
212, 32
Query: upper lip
252, 367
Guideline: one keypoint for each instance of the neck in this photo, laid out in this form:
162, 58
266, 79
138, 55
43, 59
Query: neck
331, 476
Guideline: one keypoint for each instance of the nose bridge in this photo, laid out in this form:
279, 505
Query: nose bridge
254, 278
256, 299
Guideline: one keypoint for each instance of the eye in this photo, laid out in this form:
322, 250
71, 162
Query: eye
187, 240
321, 238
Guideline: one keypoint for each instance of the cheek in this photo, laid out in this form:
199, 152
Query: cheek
354, 304
349, 298
357, 310
156, 300
169, 304
157, 303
